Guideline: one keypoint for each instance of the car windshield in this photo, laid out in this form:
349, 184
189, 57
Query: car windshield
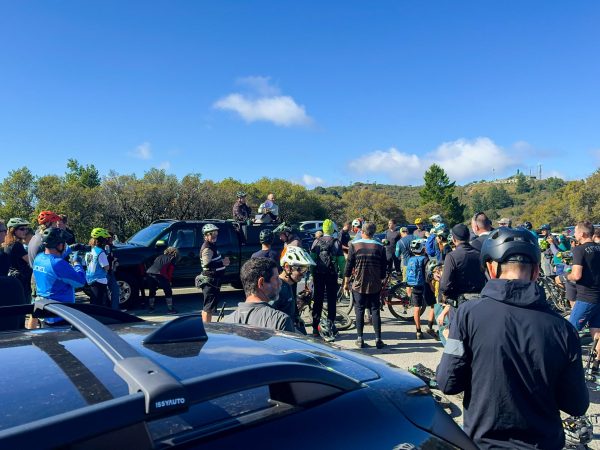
147, 235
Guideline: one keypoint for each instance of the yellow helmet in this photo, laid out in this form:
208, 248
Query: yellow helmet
99, 233
418, 220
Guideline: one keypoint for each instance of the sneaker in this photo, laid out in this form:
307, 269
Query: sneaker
419, 335
172, 311
360, 343
379, 344
434, 334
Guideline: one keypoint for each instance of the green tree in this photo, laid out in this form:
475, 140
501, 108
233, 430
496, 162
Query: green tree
17, 194
522, 185
86, 176
439, 189
498, 198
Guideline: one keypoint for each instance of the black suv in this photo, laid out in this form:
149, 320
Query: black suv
111, 380
138, 253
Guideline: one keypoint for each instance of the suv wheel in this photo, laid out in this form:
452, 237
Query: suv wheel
129, 291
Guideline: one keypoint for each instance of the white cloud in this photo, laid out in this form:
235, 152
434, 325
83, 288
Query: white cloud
166, 165
462, 160
264, 103
142, 151
311, 181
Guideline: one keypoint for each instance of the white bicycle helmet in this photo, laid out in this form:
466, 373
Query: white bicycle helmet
357, 223
417, 246
209, 228
296, 256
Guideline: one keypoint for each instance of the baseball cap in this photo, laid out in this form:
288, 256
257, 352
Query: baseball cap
403, 230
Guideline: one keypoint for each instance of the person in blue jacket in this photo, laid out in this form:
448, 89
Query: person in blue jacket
517, 362
55, 278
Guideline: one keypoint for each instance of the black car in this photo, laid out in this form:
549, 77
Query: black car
112, 380
138, 253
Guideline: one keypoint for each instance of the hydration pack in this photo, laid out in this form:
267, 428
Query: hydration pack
324, 258
415, 271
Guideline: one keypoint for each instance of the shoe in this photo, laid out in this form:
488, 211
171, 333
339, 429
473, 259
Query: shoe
419, 335
434, 334
379, 344
360, 343
172, 311
315, 333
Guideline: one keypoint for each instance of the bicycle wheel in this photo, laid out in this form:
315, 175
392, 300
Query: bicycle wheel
398, 303
342, 320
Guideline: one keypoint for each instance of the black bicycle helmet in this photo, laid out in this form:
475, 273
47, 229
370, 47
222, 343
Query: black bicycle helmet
546, 227
527, 225
510, 244
266, 237
53, 237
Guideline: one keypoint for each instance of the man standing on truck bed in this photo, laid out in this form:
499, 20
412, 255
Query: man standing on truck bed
213, 268
241, 210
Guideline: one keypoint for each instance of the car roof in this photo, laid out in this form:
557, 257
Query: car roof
77, 374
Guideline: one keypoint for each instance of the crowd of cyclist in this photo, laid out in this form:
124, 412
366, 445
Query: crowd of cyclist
501, 337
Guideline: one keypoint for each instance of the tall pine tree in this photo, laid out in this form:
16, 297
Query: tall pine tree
440, 190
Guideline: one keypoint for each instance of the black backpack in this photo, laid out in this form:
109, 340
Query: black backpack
324, 261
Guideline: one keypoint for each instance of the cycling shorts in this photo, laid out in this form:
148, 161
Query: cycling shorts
584, 313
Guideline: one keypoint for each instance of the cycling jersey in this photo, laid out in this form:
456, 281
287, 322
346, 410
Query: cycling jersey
260, 314
56, 279
366, 259
212, 261
96, 260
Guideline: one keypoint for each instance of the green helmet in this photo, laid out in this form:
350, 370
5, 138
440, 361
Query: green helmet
100, 233
241, 194
52, 237
17, 222
432, 264
209, 228
266, 236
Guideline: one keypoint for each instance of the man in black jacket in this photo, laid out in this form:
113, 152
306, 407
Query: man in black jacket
462, 277
518, 363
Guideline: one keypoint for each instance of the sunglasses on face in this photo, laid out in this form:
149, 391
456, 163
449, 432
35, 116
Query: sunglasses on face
301, 270
21, 229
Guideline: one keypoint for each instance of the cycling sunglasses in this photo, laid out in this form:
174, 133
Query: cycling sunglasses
301, 269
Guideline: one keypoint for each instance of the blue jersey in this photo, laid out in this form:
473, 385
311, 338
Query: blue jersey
56, 279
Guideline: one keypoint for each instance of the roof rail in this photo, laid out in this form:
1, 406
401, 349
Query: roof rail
162, 392
291, 383
164, 220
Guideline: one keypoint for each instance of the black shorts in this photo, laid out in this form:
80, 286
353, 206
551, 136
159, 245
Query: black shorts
418, 298
211, 294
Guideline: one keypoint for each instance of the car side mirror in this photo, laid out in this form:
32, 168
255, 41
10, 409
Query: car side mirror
161, 243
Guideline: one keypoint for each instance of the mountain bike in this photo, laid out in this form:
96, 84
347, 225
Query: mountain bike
393, 295
555, 295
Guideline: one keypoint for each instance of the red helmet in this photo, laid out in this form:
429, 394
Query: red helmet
46, 217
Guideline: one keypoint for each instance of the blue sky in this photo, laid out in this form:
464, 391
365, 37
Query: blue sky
314, 92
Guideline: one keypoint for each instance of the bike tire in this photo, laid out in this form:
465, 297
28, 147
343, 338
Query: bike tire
342, 320
405, 311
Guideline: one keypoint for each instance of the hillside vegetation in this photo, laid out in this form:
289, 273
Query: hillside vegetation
126, 203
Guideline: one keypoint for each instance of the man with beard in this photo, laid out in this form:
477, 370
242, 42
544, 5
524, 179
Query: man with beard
261, 282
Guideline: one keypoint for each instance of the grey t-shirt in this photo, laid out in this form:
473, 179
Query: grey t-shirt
261, 314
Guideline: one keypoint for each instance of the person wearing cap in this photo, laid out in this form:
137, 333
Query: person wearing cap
213, 268
241, 211
505, 222
462, 278
420, 231
517, 362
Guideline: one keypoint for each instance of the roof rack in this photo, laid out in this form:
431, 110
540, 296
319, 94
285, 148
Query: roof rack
161, 390
291, 383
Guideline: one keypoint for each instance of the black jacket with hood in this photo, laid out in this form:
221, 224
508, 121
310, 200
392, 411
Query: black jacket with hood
518, 364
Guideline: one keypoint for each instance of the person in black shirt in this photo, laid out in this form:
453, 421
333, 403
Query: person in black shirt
266, 237
462, 277
160, 275
4, 258
345, 237
18, 258
585, 273
517, 362
482, 227
392, 236
213, 268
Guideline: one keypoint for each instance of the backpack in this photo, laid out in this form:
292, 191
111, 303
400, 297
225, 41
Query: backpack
324, 258
415, 271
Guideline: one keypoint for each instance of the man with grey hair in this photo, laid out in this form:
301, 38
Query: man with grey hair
367, 262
